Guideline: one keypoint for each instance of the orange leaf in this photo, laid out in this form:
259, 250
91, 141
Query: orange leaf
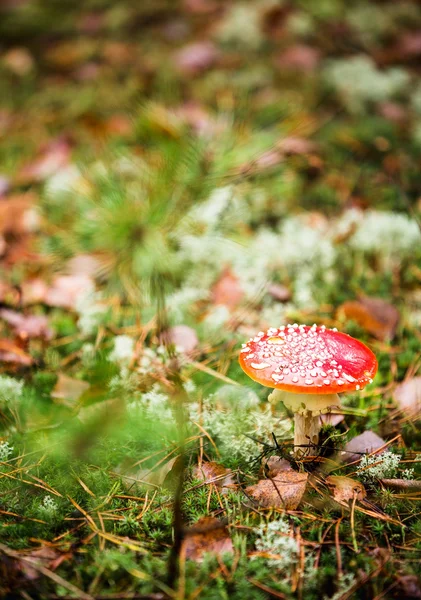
208, 534
375, 315
283, 491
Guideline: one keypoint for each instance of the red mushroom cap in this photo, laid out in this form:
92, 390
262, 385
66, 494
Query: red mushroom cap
308, 360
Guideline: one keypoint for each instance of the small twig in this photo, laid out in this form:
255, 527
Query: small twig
354, 539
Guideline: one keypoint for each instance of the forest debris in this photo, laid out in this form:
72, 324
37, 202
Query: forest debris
227, 290
53, 157
375, 315
17, 215
283, 491
154, 477
345, 488
274, 465
67, 390
208, 534
183, 337
331, 419
298, 58
405, 484
45, 556
11, 353
27, 326
213, 472
196, 58
408, 587
279, 292
66, 290
365, 443
408, 396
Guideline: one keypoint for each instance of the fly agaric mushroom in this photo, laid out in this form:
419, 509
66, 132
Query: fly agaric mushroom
307, 366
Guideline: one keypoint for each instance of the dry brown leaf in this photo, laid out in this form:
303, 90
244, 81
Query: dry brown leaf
279, 292
53, 157
344, 488
283, 491
17, 215
408, 396
212, 472
227, 290
296, 145
331, 419
67, 391
365, 443
44, 556
409, 586
208, 534
11, 353
403, 484
154, 477
182, 336
27, 326
274, 465
66, 290
196, 58
375, 315
299, 58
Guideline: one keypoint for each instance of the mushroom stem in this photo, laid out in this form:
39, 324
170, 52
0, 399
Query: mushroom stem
306, 409
306, 433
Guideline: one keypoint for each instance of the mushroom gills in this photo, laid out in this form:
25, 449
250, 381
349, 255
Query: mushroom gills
317, 404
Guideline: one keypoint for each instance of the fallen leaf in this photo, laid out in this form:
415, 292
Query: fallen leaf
345, 488
375, 315
17, 215
200, 7
296, 145
11, 353
19, 61
53, 157
4, 185
403, 484
283, 491
33, 291
208, 535
66, 290
67, 390
365, 443
212, 472
331, 419
227, 290
408, 396
408, 587
279, 292
43, 556
154, 477
274, 465
299, 58
27, 326
196, 58
182, 336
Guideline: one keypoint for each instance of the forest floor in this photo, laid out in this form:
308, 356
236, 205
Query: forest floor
174, 178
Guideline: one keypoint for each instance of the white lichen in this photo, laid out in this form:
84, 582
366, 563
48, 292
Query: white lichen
276, 538
10, 390
123, 348
378, 466
391, 235
5, 451
359, 81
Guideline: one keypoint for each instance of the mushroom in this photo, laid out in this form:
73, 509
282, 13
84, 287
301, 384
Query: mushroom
308, 367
